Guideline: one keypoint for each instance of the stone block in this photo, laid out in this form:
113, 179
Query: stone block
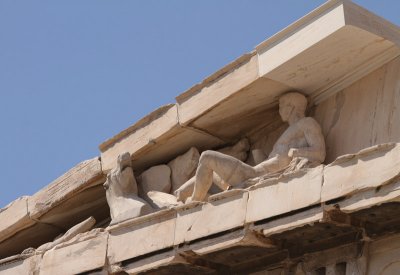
80, 177
183, 167
187, 215
141, 236
20, 266
32, 236
14, 217
223, 211
288, 223
160, 200
349, 120
156, 178
156, 138
384, 256
288, 193
371, 197
155, 261
230, 240
76, 257
238, 150
369, 168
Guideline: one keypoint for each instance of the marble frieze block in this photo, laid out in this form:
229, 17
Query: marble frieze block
223, 211
141, 235
18, 265
14, 217
369, 168
77, 256
290, 192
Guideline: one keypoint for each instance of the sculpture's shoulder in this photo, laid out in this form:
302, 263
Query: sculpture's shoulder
309, 123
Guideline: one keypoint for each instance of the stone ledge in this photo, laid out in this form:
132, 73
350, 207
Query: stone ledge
143, 235
369, 168
14, 217
21, 265
76, 257
75, 180
222, 212
213, 229
24, 215
290, 192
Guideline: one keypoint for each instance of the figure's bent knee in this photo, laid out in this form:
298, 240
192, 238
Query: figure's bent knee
206, 156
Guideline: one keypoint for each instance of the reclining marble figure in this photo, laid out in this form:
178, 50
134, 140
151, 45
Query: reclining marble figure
122, 192
303, 139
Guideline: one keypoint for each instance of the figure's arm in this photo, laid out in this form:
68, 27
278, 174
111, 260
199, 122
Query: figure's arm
316, 143
272, 165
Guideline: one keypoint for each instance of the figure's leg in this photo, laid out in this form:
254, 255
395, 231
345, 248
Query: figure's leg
229, 169
186, 190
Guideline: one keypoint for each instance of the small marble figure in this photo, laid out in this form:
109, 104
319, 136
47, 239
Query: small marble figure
303, 139
122, 192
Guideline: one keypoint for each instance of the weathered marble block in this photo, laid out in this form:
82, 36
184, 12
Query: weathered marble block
14, 217
21, 267
156, 178
288, 223
168, 258
288, 193
370, 197
76, 179
187, 215
141, 235
384, 256
183, 167
369, 168
76, 257
222, 212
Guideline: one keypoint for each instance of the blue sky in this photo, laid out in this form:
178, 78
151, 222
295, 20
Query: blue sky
74, 73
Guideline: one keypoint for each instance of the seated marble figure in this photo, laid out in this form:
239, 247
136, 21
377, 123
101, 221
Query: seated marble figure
303, 139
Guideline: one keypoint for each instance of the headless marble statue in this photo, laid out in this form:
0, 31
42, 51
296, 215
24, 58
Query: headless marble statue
302, 139
122, 192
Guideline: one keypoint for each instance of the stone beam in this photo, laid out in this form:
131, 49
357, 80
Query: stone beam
329, 49
14, 217
80, 177
29, 220
369, 168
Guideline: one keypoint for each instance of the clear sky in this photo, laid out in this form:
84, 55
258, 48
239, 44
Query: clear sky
74, 73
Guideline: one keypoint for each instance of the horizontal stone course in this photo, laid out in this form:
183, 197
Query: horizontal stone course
190, 224
73, 181
369, 168
282, 195
76, 257
14, 217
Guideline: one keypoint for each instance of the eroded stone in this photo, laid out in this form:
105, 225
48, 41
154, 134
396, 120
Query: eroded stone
183, 167
287, 193
372, 167
122, 192
223, 211
77, 257
72, 232
238, 151
160, 200
156, 178
145, 234
14, 217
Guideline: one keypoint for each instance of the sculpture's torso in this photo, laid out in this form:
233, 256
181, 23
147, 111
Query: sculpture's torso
293, 137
